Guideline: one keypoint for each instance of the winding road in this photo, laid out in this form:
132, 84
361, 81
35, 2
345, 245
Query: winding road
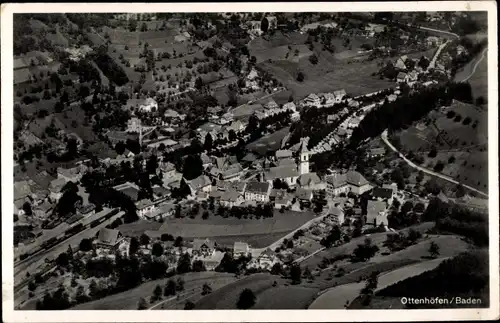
483, 54
425, 170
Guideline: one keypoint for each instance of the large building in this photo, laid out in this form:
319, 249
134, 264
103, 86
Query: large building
258, 191
351, 181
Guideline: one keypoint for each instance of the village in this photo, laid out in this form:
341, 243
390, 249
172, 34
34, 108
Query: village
261, 183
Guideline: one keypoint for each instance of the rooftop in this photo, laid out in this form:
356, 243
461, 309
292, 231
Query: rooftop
258, 187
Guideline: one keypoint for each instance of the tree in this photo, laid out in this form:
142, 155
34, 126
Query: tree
157, 249
145, 239
208, 145
300, 77
198, 83
170, 288
247, 299
27, 208
184, 264
296, 274
264, 25
198, 266
157, 293
178, 242
134, 246
189, 305
313, 59
206, 289
434, 249
142, 305
179, 284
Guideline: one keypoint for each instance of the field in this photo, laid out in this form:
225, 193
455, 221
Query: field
138, 228
230, 230
328, 75
476, 73
453, 139
128, 300
337, 297
269, 143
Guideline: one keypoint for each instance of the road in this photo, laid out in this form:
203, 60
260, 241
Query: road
433, 61
32, 264
465, 79
425, 170
441, 31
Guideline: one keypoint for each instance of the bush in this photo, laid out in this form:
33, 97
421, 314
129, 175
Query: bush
450, 114
300, 77
313, 59
439, 166
466, 121
247, 299
457, 118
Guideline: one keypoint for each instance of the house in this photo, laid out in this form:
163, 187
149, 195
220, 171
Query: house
433, 41
412, 77
286, 173
283, 200
161, 212
201, 183
310, 181
129, 189
353, 122
204, 247
207, 161
109, 239
351, 181
331, 118
266, 260
171, 115
73, 174
55, 188
383, 194
304, 195
148, 105
241, 249
376, 152
281, 154
231, 198
402, 77
257, 191
312, 100
339, 95
290, 106
393, 187
168, 169
336, 214
376, 213
134, 125
392, 98
145, 207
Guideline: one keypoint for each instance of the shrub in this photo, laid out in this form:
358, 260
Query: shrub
457, 118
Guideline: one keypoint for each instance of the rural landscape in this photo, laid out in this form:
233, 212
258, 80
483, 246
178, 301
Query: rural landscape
250, 160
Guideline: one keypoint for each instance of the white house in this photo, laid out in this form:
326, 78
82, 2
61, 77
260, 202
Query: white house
339, 95
145, 207
351, 181
148, 105
312, 100
376, 213
241, 249
257, 191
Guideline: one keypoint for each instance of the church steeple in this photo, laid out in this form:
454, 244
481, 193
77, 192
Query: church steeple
304, 158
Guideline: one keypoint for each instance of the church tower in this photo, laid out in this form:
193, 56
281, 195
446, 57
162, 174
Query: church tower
304, 158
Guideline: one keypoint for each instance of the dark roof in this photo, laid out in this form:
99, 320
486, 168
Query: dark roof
108, 236
384, 193
258, 187
198, 243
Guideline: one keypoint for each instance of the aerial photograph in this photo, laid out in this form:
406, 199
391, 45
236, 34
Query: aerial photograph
251, 160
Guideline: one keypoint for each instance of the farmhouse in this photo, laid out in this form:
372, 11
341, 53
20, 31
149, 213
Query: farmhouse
304, 195
336, 214
109, 239
204, 247
265, 260
376, 152
241, 249
312, 100
376, 213
200, 184
383, 194
231, 198
351, 181
145, 207
339, 95
55, 188
402, 77
257, 191
73, 174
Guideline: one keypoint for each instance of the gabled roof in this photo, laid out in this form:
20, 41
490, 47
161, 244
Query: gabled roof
286, 161
335, 211
284, 153
355, 178
281, 172
108, 236
401, 75
380, 192
303, 194
199, 243
21, 189
240, 247
257, 187
340, 92
375, 207
57, 185
199, 182
230, 196
268, 252
308, 179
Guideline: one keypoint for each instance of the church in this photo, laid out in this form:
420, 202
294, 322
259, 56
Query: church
288, 170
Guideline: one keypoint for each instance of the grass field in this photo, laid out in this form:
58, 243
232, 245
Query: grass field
137, 228
229, 230
128, 300
477, 78
328, 75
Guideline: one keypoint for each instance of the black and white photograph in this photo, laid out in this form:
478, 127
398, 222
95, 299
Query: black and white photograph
250, 160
